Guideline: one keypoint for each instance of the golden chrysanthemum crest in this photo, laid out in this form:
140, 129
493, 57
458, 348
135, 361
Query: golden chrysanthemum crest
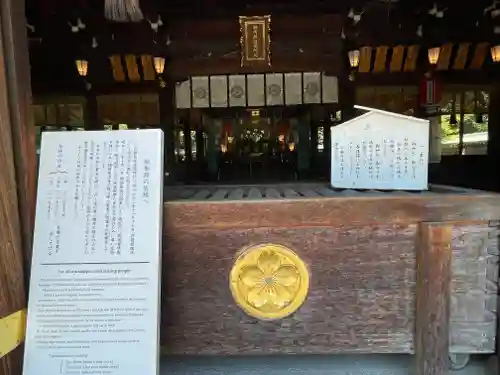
269, 281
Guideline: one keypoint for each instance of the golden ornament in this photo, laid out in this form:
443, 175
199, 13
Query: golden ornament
269, 281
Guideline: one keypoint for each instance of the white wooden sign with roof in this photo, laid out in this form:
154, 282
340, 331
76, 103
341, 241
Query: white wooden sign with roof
380, 150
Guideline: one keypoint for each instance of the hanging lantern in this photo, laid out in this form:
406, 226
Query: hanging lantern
433, 55
82, 66
495, 53
159, 63
354, 58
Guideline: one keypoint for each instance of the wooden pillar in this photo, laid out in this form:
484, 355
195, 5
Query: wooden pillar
315, 169
303, 147
17, 70
167, 120
187, 140
200, 146
17, 166
494, 133
347, 98
433, 299
91, 113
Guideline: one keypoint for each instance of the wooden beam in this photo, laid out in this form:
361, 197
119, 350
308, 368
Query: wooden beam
18, 81
433, 299
281, 26
397, 58
12, 290
380, 59
365, 59
234, 9
17, 168
479, 55
320, 45
443, 62
185, 67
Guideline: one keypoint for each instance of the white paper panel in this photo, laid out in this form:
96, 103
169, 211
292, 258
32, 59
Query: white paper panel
237, 91
293, 88
255, 90
200, 92
312, 87
183, 94
330, 87
274, 89
380, 150
218, 91
94, 296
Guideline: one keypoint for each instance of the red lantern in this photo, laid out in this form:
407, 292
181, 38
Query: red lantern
430, 91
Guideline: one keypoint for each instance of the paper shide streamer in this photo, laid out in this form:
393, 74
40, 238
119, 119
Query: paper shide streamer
123, 10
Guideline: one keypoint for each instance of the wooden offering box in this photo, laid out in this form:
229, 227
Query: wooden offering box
385, 272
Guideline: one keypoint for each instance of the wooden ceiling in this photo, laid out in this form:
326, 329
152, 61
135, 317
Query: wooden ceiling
198, 29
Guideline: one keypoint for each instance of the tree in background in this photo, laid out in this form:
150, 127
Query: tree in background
452, 131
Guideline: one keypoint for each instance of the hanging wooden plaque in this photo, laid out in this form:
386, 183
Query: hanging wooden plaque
255, 40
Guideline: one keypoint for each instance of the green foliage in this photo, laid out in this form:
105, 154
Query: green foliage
452, 131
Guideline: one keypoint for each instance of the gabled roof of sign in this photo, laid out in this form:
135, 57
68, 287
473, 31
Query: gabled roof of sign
370, 111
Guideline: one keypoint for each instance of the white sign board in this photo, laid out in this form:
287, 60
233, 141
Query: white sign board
94, 302
380, 150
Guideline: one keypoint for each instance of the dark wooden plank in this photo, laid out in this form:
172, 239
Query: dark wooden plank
473, 297
283, 26
493, 283
17, 167
492, 365
361, 292
433, 298
335, 211
231, 63
22, 127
